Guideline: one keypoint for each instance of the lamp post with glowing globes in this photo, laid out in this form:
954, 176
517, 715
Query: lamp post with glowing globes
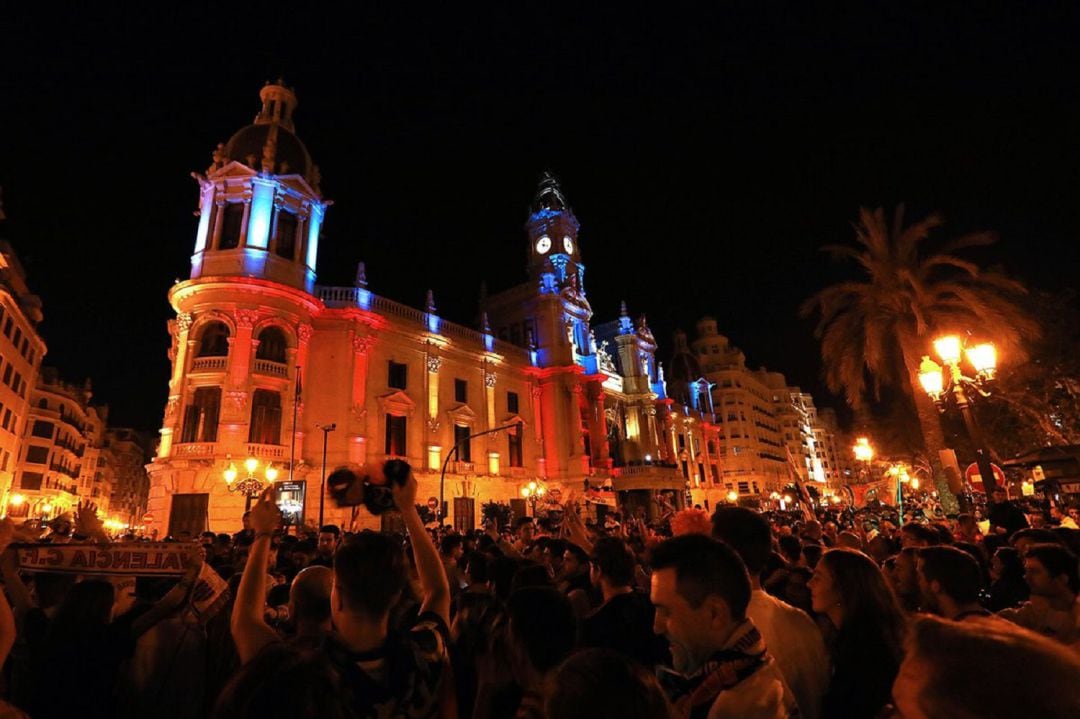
937, 381
250, 486
533, 491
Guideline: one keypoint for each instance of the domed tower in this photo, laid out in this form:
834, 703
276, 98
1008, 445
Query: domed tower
243, 324
260, 206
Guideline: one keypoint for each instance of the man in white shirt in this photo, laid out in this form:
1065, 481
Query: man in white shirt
791, 635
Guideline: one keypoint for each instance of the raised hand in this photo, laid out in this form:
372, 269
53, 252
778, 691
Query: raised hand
87, 522
405, 494
265, 516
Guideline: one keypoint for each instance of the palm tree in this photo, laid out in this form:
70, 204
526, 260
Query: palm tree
875, 331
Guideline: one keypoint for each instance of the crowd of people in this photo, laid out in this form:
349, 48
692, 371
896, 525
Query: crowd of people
736, 614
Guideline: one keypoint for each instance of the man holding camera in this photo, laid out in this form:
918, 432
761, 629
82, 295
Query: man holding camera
383, 670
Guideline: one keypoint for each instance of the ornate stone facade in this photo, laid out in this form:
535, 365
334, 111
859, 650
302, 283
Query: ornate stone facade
271, 360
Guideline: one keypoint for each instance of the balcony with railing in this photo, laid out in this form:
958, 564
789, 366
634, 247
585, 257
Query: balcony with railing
209, 364
340, 297
277, 452
194, 449
647, 476
270, 367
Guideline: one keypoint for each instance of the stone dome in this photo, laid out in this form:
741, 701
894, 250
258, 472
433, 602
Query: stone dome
291, 156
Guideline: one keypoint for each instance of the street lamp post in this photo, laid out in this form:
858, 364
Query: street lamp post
326, 430
533, 491
864, 452
983, 358
513, 427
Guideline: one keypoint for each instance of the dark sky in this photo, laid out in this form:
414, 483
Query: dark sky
707, 156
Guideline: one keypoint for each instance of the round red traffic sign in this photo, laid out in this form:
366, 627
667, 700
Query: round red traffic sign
974, 478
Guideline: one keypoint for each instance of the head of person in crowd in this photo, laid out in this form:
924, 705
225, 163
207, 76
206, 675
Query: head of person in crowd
999, 496
476, 571
880, 548
850, 589
369, 577
603, 684
1052, 573
575, 560
830, 532
849, 540
790, 548
524, 529
1024, 539
914, 534
530, 574
811, 555
748, 533
451, 548
811, 531
611, 565
552, 556
967, 527
542, 632
955, 670
904, 578
700, 589
207, 539
1006, 564
501, 571
309, 599
949, 581
283, 681
328, 540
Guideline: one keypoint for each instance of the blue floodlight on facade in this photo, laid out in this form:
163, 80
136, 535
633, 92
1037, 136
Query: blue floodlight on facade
262, 211
314, 224
363, 298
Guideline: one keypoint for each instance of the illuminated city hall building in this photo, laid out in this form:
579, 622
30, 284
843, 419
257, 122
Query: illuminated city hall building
264, 360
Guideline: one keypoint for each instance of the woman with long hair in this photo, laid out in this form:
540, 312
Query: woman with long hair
849, 589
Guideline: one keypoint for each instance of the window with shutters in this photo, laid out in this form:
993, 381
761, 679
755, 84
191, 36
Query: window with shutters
265, 417
201, 416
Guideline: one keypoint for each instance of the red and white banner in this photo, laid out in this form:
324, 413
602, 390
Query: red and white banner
149, 559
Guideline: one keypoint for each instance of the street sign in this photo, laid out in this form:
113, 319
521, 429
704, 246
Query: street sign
974, 478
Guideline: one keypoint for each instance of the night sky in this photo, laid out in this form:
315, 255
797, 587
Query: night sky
706, 156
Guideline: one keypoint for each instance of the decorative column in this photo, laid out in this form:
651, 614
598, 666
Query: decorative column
303, 339
242, 351
490, 381
358, 414
219, 212
434, 362
183, 349
537, 393
598, 426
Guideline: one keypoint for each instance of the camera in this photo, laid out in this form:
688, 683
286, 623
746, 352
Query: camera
348, 488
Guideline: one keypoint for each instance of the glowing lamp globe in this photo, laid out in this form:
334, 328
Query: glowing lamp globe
983, 357
948, 348
17, 500
230, 474
733, 496
524, 491
931, 377
251, 464
271, 473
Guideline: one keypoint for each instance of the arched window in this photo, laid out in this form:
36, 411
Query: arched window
232, 222
272, 345
265, 417
215, 340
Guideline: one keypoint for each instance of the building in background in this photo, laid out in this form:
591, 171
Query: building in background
21, 351
765, 428
61, 462
268, 368
127, 451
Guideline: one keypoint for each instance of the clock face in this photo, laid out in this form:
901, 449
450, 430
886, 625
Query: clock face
543, 245
568, 245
